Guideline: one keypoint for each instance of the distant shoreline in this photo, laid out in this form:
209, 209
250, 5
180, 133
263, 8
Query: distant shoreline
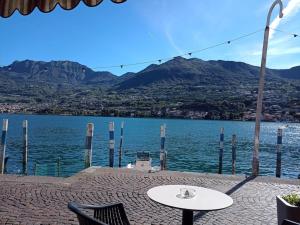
137, 117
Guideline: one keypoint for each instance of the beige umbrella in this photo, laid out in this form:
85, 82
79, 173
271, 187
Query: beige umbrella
25, 7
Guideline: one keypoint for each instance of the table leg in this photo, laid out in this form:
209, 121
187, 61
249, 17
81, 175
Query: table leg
187, 217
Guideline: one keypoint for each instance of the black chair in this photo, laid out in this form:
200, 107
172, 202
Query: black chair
289, 222
113, 214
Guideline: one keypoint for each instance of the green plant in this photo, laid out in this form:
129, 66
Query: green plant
292, 199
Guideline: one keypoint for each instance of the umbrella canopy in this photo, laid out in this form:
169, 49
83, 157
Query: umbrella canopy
25, 7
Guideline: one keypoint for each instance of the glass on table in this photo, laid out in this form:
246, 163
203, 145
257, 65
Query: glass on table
186, 193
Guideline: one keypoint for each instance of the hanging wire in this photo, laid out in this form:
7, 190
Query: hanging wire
190, 53
285, 32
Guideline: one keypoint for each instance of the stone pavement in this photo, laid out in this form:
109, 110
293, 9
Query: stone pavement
43, 200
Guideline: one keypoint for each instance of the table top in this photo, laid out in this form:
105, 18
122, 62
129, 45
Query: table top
205, 199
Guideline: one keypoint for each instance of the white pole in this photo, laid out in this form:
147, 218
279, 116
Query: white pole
3, 145
255, 160
111, 128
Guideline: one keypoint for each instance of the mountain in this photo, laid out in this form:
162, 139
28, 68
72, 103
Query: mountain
55, 72
176, 71
185, 88
198, 72
292, 73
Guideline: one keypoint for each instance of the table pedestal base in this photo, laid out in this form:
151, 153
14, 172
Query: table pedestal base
187, 217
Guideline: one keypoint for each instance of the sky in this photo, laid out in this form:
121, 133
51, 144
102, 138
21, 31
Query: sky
144, 30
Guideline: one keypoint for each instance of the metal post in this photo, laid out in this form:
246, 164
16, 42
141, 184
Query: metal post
3, 145
35, 169
278, 151
221, 150
163, 159
111, 143
233, 142
255, 160
25, 146
5, 163
121, 144
58, 166
88, 145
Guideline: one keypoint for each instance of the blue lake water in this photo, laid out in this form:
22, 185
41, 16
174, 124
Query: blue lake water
192, 145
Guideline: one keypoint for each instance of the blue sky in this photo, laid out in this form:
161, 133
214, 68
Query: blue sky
142, 30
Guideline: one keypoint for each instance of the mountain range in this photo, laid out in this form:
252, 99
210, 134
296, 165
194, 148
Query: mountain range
178, 70
179, 84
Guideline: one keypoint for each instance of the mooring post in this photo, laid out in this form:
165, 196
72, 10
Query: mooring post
221, 150
233, 142
25, 146
163, 154
34, 169
3, 145
88, 144
5, 164
58, 166
121, 144
111, 143
278, 151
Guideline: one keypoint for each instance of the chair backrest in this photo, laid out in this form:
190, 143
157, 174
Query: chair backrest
289, 222
112, 214
143, 161
83, 218
143, 156
103, 215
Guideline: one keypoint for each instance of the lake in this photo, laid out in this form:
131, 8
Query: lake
192, 145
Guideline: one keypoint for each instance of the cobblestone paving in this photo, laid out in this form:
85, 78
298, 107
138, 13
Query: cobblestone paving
43, 200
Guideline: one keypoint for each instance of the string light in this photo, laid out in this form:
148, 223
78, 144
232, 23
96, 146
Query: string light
185, 54
285, 32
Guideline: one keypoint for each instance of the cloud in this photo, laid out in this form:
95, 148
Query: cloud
279, 51
289, 11
172, 42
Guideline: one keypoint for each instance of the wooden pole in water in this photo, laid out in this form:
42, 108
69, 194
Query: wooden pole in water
278, 151
58, 166
25, 146
88, 145
233, 153
3, 145
121, 144
163, 155
111, 128
221, 150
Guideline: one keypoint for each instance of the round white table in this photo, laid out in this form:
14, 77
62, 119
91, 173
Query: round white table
204, 200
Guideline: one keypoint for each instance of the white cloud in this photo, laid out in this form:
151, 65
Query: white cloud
172, 42
289, 11
279, 51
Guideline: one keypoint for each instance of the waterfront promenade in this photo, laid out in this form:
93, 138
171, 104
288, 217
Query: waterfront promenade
43, 200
